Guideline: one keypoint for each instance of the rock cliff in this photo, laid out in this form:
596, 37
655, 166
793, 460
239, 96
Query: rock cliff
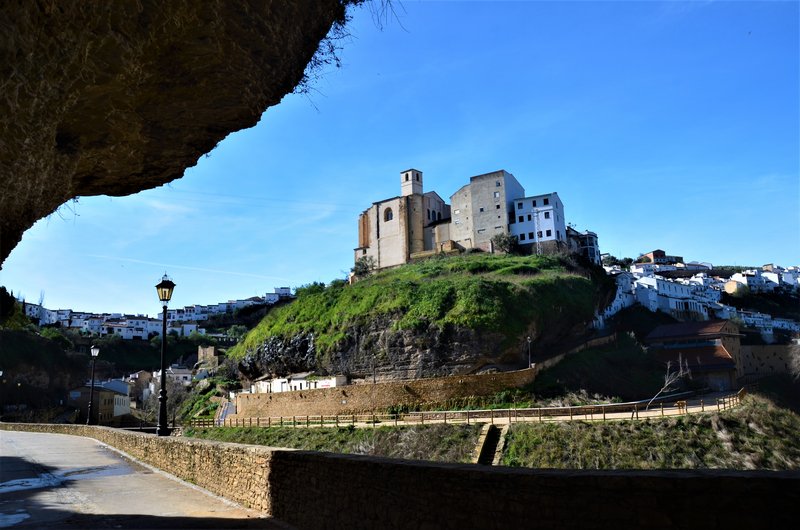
454, 315
111, 98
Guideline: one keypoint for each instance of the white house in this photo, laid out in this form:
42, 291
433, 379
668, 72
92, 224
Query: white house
539, 219
296, 382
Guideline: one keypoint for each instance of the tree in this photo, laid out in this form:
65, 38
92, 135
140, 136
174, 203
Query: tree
59, 338
672, 377
505, 243
363, 266
237, 331
176, 395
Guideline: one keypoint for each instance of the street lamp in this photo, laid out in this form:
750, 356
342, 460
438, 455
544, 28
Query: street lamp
529, 351
95, 352
164, 290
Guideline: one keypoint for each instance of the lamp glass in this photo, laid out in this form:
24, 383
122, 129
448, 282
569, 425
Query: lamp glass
164, 289
95, 351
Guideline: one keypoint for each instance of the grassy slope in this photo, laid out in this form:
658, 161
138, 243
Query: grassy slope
621, 370
441, 443
480, 291
757, 435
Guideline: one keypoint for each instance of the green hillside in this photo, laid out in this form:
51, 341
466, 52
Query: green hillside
507, 295
756, 435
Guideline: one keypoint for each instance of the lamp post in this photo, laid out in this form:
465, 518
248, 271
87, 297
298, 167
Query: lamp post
164, 290
95, 352
529, 351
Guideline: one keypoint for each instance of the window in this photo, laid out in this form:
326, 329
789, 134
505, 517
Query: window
546, 201
549, 233
529, 217
417, 177
457, 212
522, 237
497, 195
429, 214
497, 183
496, 206
547, 215
539, 234
533, 203
480, 209
519, 206
438, 216
406, 178
481, 230
558, 234
520, 218
530, 235
388, 215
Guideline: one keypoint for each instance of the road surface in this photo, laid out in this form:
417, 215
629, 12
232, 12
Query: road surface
59, 481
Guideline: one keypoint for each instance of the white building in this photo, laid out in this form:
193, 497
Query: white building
297, 382
539, 219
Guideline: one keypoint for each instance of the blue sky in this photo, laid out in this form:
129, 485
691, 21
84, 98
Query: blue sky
660, 125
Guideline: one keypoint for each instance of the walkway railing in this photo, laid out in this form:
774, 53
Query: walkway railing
669, 406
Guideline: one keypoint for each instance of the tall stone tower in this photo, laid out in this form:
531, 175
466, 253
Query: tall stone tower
410, 182
411, 191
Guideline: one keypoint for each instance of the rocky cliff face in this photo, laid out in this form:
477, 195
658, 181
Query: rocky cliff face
402, 353
111, 98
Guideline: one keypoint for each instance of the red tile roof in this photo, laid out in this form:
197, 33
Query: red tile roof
708, 329
699, 359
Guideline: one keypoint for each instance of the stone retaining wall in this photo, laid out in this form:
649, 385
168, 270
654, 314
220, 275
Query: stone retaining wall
322, 490
361, 398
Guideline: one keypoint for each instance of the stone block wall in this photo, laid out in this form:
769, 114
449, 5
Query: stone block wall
363, 398
234, 471
322, 490
760, 361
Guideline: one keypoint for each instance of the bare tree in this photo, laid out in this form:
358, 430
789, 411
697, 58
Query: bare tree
672, 377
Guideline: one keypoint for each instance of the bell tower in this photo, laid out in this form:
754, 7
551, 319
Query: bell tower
410, 182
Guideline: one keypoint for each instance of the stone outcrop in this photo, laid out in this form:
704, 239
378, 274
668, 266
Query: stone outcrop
111, 98
378, 346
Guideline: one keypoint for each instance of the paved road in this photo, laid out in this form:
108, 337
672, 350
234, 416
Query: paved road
60, 481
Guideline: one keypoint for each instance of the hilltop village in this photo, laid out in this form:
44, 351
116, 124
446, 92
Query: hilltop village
418, 224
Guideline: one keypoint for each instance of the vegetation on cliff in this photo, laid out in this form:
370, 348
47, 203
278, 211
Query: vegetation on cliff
505, 296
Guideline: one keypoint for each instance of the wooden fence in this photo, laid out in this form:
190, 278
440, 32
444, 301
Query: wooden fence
669, 405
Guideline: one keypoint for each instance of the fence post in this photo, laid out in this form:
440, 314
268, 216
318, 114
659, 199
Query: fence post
445, 418
540, 414
395, 419
604, 414
717, 404
636, 409
702, 406
307, 420
491, 413
662, 408
570, 413
354, 419
509, 416
467, 417
422, 418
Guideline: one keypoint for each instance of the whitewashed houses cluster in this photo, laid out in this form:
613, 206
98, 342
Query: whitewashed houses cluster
183, 321
699, 296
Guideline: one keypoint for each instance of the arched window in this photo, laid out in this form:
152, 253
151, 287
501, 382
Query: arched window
387, 214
